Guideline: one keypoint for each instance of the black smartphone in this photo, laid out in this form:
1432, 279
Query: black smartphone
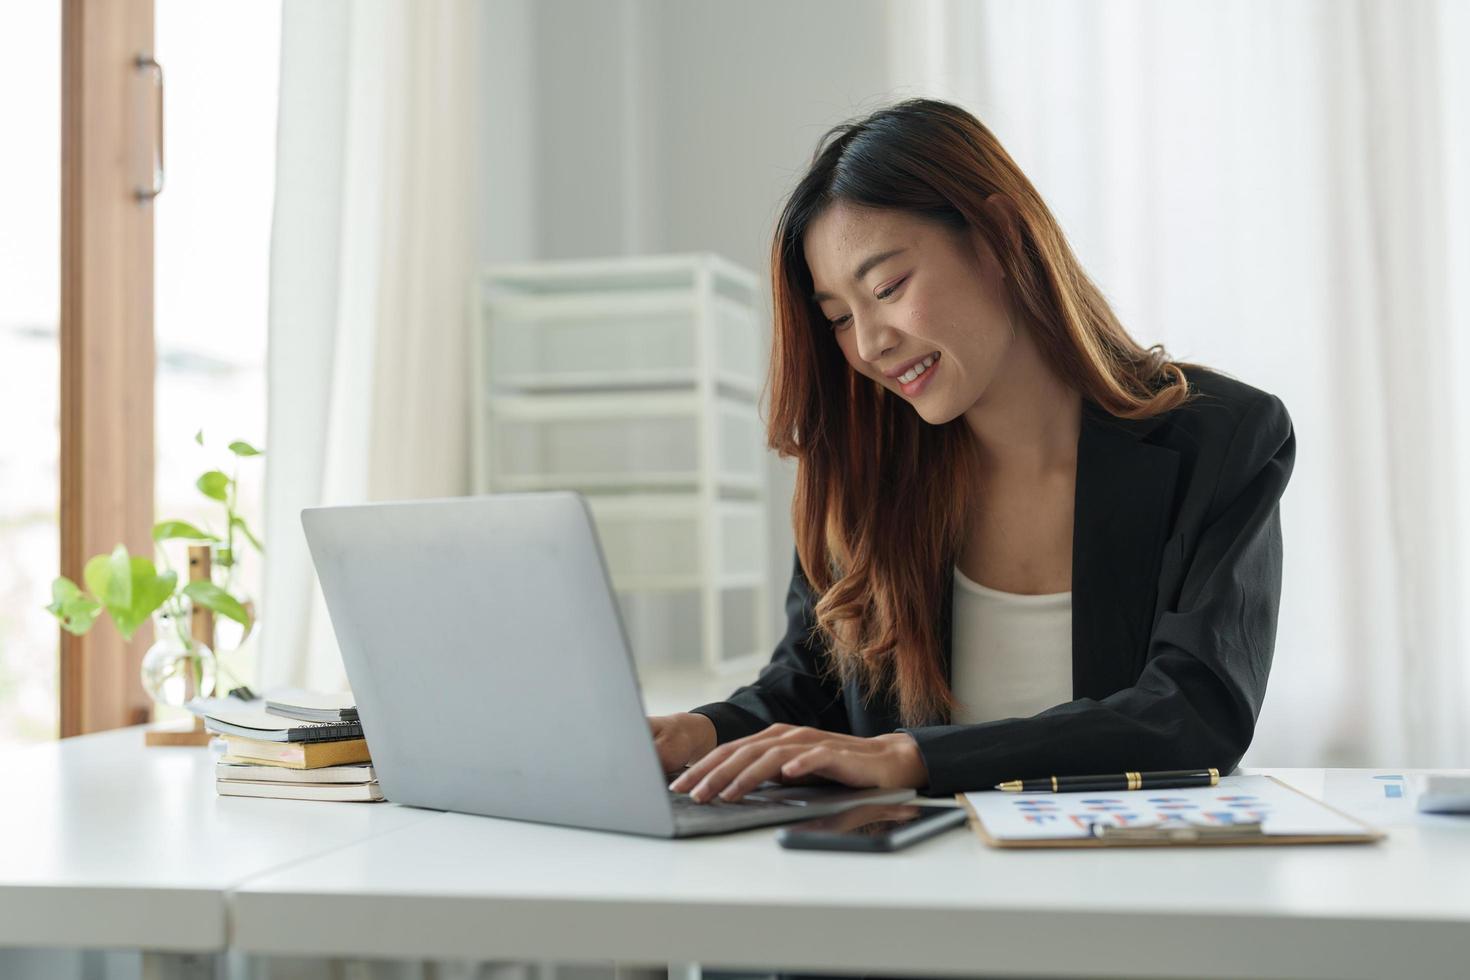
872, 827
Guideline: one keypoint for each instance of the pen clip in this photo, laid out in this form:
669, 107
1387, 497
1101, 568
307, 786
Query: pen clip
1183, 833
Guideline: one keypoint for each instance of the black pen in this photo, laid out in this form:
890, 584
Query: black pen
1163, 779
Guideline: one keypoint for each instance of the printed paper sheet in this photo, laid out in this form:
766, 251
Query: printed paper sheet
1237, 799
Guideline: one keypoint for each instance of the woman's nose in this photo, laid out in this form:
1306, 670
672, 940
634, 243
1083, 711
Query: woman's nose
875, 338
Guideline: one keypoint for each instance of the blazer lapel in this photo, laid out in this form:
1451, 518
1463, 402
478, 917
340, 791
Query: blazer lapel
1124, 499
1122, 510
1123, 502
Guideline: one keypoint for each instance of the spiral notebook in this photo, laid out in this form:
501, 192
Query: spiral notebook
1254, 809
293, 702
253, 721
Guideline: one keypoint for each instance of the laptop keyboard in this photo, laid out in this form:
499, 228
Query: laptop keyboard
684, 803
748, 811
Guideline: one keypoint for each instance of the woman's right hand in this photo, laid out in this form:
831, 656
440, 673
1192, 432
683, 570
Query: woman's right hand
681, 739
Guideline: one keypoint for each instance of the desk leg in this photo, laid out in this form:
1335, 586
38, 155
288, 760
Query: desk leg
180, 966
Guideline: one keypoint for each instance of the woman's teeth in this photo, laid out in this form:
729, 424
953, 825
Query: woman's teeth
917, 369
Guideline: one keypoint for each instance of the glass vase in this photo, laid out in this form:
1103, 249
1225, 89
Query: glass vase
177, 667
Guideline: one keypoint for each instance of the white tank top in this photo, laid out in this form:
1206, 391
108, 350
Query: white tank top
1011, 654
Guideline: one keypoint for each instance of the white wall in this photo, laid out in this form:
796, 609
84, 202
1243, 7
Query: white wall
668, 126
507, 132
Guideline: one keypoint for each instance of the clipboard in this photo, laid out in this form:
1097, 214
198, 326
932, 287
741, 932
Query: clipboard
1236, 835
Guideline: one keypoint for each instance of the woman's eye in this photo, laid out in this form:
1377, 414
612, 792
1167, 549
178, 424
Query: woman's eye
835, 324
889, 291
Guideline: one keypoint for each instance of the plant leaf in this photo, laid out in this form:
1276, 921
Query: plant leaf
150, 590
239, 522
75, 610
214, 485
211, 596
241, 448
63, 590
199, 437
166, 530
110, 579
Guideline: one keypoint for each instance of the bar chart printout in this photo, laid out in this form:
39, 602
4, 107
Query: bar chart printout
1237, 799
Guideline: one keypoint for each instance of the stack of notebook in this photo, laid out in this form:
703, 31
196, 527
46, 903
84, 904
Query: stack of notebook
295, 746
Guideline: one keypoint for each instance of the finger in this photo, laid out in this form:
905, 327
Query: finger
738, 761
718, 776
807, 763
703, 765
720, 753
767, 766
850, 768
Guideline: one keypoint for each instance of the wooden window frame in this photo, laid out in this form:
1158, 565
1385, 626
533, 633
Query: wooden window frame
107, 349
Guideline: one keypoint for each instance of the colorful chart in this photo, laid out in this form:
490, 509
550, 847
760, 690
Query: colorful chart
1236, 800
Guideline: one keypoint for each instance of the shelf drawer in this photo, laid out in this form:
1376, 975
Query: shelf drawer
615, 338
664, 631
601, 442
742, 540
654, 541
648, 541
738, 341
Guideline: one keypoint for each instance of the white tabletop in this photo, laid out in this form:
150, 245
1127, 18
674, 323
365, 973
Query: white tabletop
466, 886
107, 843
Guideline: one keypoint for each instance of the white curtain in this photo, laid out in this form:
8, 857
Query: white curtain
372, 252
1279, 189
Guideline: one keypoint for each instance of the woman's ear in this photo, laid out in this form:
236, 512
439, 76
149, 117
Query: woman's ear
989, 263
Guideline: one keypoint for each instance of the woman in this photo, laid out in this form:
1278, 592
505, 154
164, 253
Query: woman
1025, 545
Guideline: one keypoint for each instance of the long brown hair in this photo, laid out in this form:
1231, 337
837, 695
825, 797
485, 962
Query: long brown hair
882, 496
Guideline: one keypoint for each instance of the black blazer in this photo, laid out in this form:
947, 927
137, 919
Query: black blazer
1176, 580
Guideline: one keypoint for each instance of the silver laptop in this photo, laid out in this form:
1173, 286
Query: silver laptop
486, 650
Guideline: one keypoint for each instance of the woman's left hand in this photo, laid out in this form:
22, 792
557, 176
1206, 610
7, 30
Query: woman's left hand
797, 754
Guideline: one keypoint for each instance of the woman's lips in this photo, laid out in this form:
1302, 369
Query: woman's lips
922, 381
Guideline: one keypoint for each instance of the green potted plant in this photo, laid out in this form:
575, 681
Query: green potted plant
131, 588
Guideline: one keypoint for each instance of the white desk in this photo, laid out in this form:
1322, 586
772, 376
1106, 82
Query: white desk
105, 843
464, 886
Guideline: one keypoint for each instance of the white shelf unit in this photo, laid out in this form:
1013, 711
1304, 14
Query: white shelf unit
636, 381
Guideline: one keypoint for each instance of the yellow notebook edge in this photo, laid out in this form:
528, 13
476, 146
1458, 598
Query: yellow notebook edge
350, 753
268, 743
1369, 835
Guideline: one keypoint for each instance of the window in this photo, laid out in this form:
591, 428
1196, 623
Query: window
30, 371
211, 262
211, 238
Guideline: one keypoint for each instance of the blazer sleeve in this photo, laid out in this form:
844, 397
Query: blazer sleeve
1197, 698
793, 687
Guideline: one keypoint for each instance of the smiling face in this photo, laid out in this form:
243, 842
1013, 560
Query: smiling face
933, 291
